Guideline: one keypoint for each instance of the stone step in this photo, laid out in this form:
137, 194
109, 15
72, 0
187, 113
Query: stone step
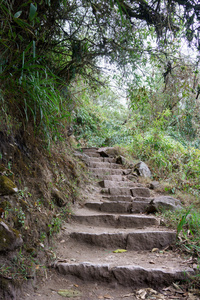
118, 198
132, 275
142, 269
92, 154
109, 177
117, 221
116, 184
101, 165
140, 192
136, 239
118, 206
105, 171
90, 149
101, 159
125, 191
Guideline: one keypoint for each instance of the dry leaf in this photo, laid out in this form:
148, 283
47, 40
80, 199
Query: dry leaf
108, 297
119, 251
69, 293
155, 250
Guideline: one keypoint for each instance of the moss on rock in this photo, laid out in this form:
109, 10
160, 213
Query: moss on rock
7, 186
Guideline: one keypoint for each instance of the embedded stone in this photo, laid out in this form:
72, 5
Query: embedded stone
58, 197
10, 238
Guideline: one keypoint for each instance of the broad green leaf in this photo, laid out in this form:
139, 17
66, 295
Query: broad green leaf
18, 14
32, 12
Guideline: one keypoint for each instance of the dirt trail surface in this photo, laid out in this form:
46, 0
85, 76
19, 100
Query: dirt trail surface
108, 252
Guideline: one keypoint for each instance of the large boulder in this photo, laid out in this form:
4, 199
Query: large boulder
163, 203
142, 169
10, 238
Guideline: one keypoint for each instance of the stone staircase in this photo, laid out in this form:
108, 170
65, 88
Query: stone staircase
114, 219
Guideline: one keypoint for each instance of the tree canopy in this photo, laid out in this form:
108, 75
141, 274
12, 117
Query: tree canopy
69, 36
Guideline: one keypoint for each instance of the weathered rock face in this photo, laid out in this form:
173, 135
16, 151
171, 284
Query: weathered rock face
10, 239
7, 186
142, 169
163, 203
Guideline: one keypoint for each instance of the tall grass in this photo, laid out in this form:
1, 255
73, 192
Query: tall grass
44, 104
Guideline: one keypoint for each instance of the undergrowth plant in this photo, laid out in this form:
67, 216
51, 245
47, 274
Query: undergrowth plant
187, 223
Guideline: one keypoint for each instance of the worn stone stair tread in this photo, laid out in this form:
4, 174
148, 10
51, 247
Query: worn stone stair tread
136, 191
117, 220
82, 228
105, 171
109, 177
143, 267
92, 154
117, 191
100, 159
90, 149
100, 255
118, 198
122, 183
119, 206
134, 240
131, 275
127, 238
84, 211
127, 198
92, 164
